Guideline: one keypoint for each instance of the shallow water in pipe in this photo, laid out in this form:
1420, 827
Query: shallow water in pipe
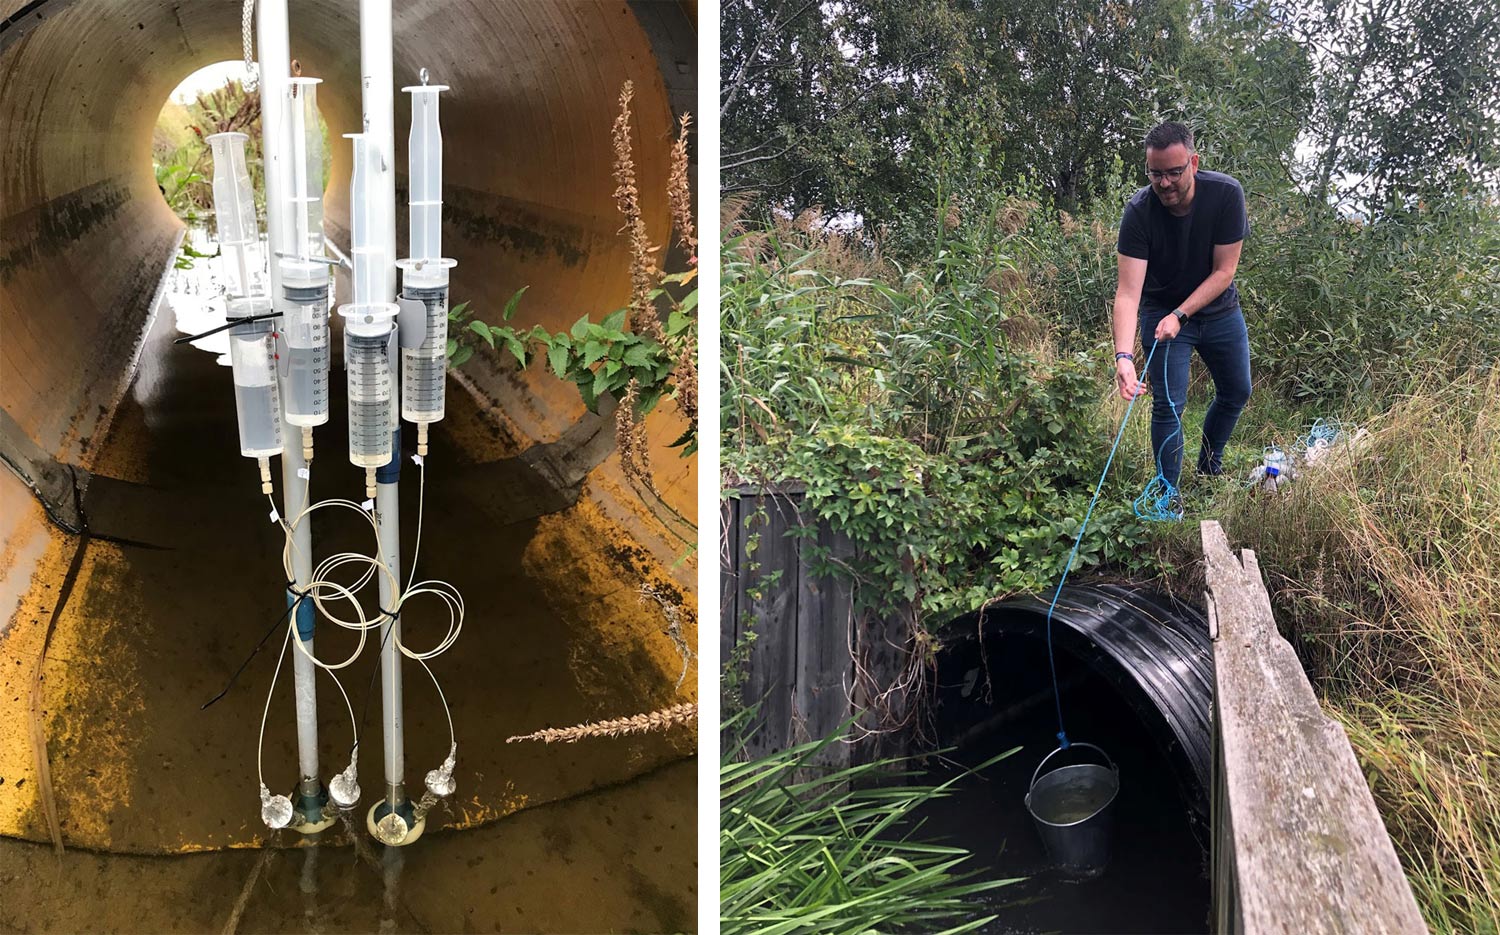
148, 635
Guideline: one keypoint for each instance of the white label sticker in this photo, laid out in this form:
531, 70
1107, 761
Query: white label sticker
416, 459
368, 506
275, 516
304, 473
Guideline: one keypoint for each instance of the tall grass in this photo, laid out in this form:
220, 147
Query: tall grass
1382, 566
836, 854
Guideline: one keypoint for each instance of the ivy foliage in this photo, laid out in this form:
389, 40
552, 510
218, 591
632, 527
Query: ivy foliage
957, 459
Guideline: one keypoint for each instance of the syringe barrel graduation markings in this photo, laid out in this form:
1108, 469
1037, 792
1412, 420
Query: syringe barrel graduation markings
368, 323
252, 348
303, 302
425, 273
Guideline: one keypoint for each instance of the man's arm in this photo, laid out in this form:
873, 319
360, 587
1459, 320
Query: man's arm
1226, 261
1132, 276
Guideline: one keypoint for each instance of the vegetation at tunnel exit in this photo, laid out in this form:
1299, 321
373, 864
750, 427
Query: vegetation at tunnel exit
918, 268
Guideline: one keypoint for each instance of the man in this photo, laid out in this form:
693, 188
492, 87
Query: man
1179, 246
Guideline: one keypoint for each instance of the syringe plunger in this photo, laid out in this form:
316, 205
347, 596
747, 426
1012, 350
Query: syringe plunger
303, 302
234, 209
369, 325
424, 367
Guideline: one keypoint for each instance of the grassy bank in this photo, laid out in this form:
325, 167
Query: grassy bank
1382, 566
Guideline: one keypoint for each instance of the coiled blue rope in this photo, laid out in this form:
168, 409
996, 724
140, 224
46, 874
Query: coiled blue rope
1323, 430
1159, 502
1062, 733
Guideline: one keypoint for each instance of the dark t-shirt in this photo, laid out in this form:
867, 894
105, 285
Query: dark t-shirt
1179, 251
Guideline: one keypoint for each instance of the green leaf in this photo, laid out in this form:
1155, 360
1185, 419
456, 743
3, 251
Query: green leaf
601, 381
517, 349
592, 352
690, 302
463, 355
557, 356
483, 330
677, 323
510, 306
590, 399
637, 355
614, 321
452, 346
581, 327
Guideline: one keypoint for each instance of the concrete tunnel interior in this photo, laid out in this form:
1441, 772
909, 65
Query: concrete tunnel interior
100, 415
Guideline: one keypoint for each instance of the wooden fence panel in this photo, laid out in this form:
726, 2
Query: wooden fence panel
800, 667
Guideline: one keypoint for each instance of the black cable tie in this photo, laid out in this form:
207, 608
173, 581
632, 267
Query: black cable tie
253, 653
291, 587
226, 326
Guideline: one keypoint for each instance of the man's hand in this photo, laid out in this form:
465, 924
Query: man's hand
1125, 380
1168, 328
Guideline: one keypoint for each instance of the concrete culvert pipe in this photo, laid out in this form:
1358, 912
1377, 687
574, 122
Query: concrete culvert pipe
112, 639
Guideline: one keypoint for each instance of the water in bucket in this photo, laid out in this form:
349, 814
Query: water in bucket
1071, 808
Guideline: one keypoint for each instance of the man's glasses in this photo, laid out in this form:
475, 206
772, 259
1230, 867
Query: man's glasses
1156, 175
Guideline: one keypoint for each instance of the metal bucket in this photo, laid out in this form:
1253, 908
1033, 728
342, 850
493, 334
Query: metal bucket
1071, 807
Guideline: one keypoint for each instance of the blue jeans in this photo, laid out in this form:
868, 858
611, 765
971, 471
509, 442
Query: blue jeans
1224, 344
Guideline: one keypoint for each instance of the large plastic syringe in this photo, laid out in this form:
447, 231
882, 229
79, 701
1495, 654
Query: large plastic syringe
303, 302
369, 325
424, 356
252, 348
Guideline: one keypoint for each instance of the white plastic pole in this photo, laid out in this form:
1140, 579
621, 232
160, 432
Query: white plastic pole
275, 74
377, 105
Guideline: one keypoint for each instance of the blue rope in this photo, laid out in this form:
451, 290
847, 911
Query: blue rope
1159, 502
1062, 733
1324, 430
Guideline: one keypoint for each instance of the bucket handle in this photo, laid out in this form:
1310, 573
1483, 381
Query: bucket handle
1038, 773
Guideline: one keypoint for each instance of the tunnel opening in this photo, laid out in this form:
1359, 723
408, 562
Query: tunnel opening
526, 510
992, 693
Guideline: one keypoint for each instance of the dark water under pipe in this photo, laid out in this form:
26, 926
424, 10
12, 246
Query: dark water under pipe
1136, 675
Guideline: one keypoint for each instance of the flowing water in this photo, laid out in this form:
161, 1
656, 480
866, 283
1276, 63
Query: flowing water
156, 795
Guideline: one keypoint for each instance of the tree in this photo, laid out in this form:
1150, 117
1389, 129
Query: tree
1408, 94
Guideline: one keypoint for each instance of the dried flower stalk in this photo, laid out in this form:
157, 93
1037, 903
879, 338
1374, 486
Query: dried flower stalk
643, 270
662, 719
630, 439
680, 195
685, 377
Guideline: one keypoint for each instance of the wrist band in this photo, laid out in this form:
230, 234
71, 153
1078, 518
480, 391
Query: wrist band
1124, 355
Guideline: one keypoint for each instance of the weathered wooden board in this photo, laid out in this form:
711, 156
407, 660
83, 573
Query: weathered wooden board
1300, 847
767, 606
800, 668
824, 643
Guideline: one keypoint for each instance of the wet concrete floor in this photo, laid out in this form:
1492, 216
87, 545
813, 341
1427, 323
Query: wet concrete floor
154, 624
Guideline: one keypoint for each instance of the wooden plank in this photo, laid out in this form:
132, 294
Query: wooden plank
1309, 852
766, 598
824, 665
